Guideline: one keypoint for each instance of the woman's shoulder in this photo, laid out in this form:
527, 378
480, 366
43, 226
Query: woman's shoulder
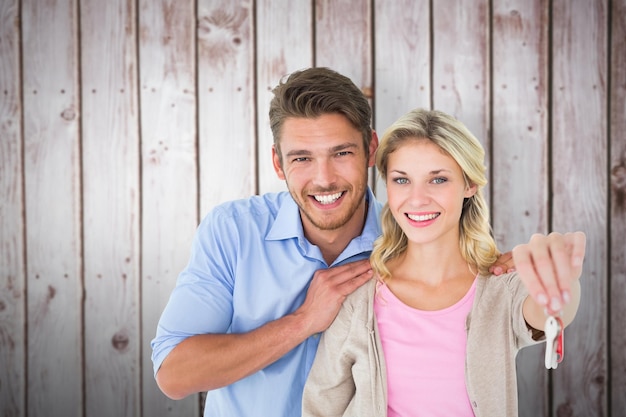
359, 297
504, 284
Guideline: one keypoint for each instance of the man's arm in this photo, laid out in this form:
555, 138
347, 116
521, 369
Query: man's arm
210, 361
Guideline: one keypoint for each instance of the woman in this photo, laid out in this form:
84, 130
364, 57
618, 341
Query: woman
435, 333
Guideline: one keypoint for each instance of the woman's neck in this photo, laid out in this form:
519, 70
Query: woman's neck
431, 264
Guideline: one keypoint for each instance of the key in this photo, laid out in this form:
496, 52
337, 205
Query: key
554, 342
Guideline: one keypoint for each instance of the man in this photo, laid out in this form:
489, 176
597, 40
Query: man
267, 274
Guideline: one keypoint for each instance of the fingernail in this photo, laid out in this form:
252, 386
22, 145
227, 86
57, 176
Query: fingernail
542, 299
555, 304
566, 296
497, 270
511, 270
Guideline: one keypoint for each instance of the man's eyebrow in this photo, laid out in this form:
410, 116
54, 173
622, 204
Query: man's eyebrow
343, 146
334, 149
298, 152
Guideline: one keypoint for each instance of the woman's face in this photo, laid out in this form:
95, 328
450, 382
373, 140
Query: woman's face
425, 192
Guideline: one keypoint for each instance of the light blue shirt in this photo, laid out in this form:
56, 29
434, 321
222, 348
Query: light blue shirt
251, 264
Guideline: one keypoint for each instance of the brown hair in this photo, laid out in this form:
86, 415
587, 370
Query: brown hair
313, 92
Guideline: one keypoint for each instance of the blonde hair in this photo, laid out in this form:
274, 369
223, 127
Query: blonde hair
476, 242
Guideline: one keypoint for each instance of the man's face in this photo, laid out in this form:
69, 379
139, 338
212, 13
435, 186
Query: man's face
324, 164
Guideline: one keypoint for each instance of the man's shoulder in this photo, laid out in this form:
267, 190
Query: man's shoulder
268, 203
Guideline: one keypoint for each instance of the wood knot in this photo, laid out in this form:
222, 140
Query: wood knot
120, 340
564, 410
618, 177
68, 114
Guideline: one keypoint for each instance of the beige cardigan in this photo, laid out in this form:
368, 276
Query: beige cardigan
348, 377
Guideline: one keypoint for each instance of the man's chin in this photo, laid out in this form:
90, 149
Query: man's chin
328, 224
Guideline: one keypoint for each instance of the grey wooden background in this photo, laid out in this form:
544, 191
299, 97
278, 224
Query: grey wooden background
122, 122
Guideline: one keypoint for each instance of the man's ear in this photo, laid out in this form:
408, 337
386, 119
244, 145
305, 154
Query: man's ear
277, 165
373, 147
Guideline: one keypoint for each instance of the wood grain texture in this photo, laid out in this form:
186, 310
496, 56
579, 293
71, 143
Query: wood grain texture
403, 57
343, 28
53, 210
108, 161
402, 64
169, 172
617, 221
111, 196
461, 64
226, 101
284, 43
12, 222
519, 161
579, 161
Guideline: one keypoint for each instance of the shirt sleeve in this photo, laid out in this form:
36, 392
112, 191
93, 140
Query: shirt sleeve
202, 300
525, 334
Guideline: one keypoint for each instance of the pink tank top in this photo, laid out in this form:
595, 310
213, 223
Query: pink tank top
425, 356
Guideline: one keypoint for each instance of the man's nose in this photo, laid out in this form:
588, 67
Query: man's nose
325, 172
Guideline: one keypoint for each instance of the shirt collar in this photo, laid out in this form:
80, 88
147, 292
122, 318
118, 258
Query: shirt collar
288, 223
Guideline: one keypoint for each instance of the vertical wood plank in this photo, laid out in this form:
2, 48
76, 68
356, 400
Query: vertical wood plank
226, 101
402, 63
617, 220
111, 207
579, 170
345, 27
12, 271
52, 195
520, 154
461, 65
278, 52
169, 173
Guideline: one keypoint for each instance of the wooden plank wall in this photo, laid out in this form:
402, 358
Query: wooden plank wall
123, 122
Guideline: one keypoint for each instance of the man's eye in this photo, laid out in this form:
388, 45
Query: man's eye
343, 153
301, 159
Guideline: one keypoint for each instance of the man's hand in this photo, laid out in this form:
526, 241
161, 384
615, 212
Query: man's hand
550, 267
503, 264
209, 361
328, 289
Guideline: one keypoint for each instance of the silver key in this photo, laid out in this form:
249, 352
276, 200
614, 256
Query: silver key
554, 342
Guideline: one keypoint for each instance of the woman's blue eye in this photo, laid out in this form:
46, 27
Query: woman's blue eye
401, 181
439, 180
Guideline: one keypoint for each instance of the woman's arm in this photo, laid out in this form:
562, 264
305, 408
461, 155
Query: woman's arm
550, 267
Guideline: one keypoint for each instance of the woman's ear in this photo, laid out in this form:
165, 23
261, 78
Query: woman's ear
470, 190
